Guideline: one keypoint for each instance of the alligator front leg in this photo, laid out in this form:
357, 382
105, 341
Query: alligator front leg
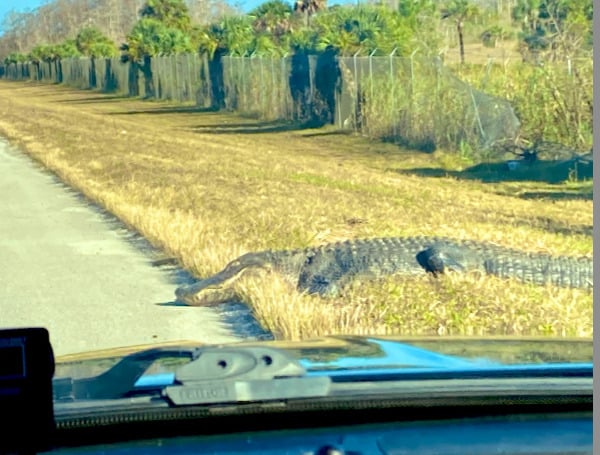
319, 284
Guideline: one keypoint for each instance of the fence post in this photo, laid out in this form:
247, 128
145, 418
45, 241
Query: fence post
371, 83
392, 94
412, 75
190, 74
230, 90
285, 87
243, 97
411, 99
263, 90
157, 65
187, 81
371, 72
177, 69
273, 95
357, 93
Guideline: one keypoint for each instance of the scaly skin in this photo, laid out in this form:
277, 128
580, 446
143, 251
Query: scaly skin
326, 269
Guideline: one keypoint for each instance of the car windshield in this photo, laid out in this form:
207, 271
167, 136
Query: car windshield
210, 172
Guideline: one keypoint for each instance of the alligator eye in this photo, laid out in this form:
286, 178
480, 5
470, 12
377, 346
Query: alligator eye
233, 264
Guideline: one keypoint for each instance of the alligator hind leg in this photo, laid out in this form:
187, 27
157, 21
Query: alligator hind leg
321, 275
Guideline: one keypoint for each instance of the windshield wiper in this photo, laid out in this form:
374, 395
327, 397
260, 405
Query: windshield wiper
250, 385
213, 375
238, 374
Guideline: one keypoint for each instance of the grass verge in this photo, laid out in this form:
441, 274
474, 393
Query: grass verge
207, 187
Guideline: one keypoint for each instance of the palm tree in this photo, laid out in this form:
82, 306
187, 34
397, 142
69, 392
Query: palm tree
309, 7
92, 43
460, 10
163, 29
273, 26
237, 35
172, 13
362, 29
273, 18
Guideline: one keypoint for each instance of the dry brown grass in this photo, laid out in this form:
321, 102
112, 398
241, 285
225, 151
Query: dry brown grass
477, 53
206, 188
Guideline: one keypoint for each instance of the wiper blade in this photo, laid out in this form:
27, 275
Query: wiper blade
213, 375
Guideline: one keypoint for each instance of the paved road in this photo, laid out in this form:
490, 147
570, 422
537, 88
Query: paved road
67, 266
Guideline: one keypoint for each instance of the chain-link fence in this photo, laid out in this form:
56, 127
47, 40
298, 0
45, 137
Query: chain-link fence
107, 75
258, 86
42, 71
182, 78
415, 101
421, 103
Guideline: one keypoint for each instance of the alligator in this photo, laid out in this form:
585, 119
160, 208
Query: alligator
325, 270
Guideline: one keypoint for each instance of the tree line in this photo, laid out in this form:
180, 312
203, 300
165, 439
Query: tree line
57, 21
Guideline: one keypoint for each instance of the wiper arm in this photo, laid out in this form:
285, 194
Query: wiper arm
214, 375
120, 379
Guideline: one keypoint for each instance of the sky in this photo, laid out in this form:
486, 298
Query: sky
17, 5
23, 6
28, 5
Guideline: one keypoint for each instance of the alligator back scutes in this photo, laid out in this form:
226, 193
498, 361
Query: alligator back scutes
326, 269
425, 242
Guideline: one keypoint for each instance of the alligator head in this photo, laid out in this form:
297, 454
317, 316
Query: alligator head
217, 288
